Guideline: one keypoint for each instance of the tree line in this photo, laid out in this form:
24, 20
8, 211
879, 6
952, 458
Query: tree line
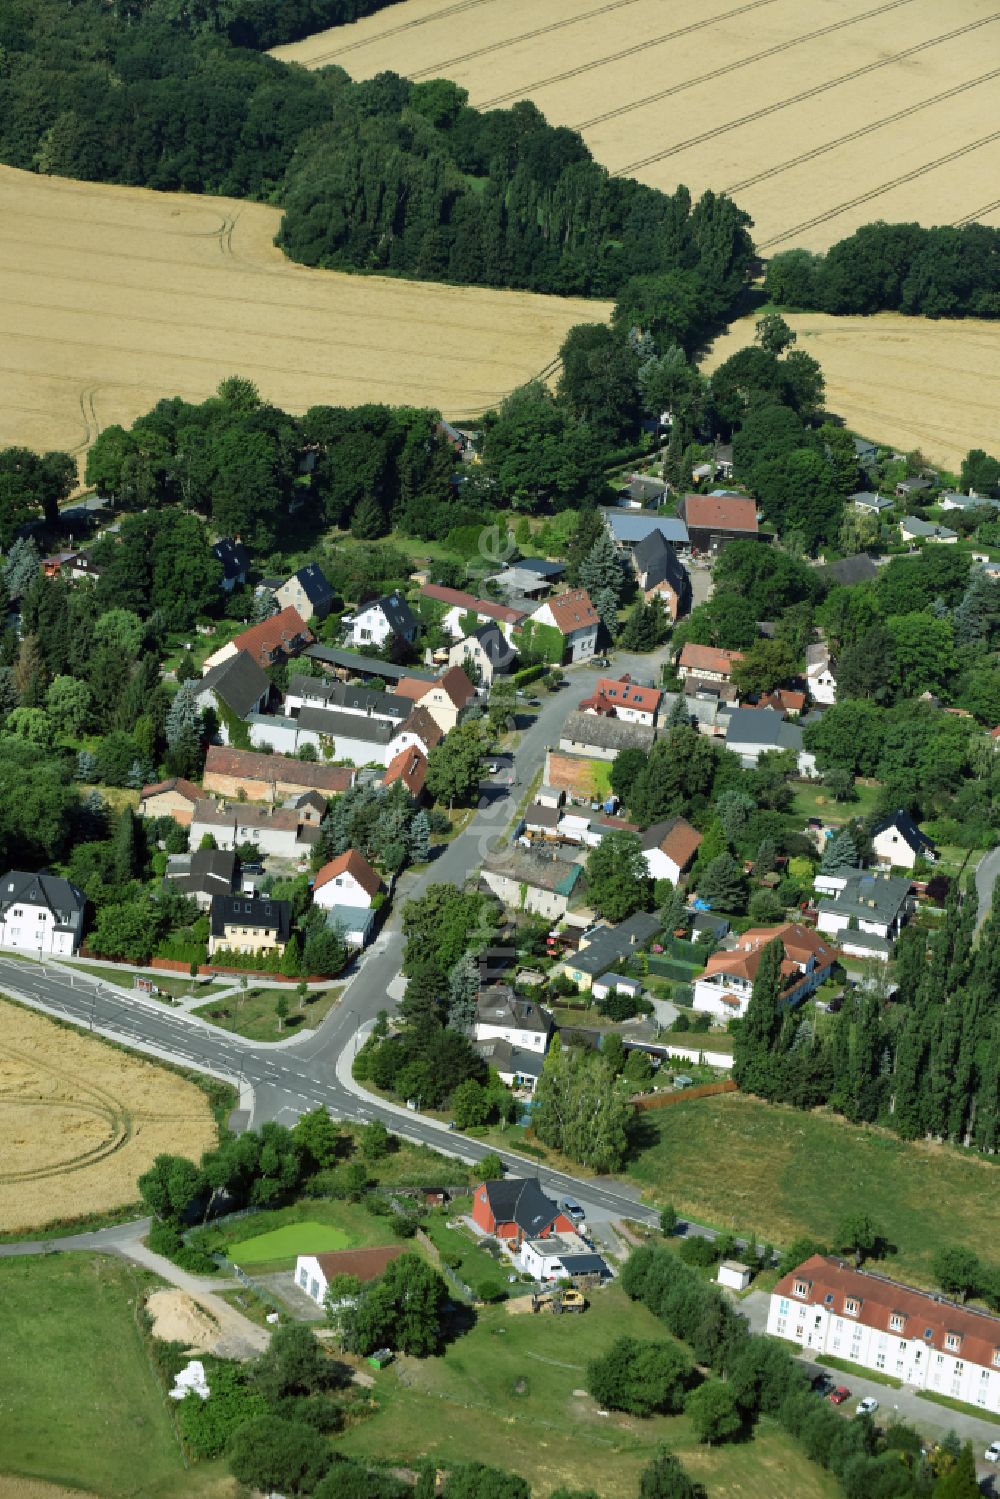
945, 271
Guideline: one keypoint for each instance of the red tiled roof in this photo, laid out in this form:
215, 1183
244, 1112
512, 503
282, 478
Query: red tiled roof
412, 688
708, 658
831, 1283
223, 761
622, 690
410, 767
721, 512
183, 788
278, 633
423, 726
354, 864
800, 944
457, 685
366, 1264
680, 842
572, 611
455, 598
783, 698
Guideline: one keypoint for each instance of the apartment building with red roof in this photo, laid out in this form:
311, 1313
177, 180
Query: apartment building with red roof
923, 1340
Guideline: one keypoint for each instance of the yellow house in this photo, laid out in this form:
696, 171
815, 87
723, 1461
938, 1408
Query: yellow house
444, 698
245, 923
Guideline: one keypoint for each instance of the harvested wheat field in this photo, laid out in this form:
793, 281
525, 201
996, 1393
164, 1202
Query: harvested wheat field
79, 1122
815, 118
112, 298
907, 381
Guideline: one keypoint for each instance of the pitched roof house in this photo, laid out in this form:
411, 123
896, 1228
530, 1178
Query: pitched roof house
246, 923
503, 1013
235, 561
374, 623
661, 574
483, 653
669, 848
628, 527
314, 1272
40, 913
912, 528
203, 874
269, 777
419, 731
820, 679
444, 699
274, 640
752, 732
531, 880
238, 686
576, 619
602, 738
308, 591
913, 1336
602, 946
707, 662
620, 697
410, 767
725, 986
515, 1209
459, 604
897, 840
713, 520
174, 798
348, 880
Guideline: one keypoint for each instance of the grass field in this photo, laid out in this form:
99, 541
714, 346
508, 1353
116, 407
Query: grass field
116, 297
80, 1121
287, 1242
79, 1397
506, 1394
257, 1018
814, 801
908, 381
734, 1162
814, 119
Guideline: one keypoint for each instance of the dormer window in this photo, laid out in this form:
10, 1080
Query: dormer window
801, 1288
896, 1322
952, 1341
852, 1306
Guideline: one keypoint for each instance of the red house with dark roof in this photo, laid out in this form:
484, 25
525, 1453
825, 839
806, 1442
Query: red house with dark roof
516, 1209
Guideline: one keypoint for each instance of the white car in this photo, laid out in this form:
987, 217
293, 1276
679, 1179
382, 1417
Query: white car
993, 1452
867, 1406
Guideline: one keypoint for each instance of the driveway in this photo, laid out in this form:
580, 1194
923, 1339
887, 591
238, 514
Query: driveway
986, 873
930, 1419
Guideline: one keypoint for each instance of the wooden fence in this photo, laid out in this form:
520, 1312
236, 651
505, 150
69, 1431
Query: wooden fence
667, 1100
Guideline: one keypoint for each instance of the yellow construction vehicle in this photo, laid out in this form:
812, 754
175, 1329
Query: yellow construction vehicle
558, 1300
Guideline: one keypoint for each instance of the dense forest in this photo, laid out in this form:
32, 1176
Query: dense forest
252, 23
381, 175
940, 272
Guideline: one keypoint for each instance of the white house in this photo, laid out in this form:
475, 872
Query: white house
622, 698
752, 732
445, 699
870, 504
898, 842
615, 983
669, 848
923, 1340
461, 607
912, 528
869, 901
282, 832
483, 653
235, 688
554, 1257
529, 880
314, 1272
334, 735
383, 619
724, 988
819, 675
40, 913
576, 619
348, 880
502, 1014
345, 697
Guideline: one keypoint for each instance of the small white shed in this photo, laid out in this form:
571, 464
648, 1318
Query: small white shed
734, 1274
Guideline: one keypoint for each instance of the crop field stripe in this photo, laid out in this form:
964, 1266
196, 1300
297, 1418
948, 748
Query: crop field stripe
730, 67
529, 89
436, 69
810, 93
877, 192
970, 218
854, 135
438, 15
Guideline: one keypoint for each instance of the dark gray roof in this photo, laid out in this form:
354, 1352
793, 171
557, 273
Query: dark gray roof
346, 725
366, 700
542, 567
850, 570
907, 829
502, 1005
521, 1200
250, 911
608, 944
238, 681
870, 896
495, 643
211, 871
763, 727
64, 900
401, 618
605, 733
538, 816
585, 1264
315, 585
233, 555
498, 1053
365, 666
661, 563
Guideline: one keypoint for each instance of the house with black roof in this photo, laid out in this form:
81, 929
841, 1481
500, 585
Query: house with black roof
603, 947
203, 874
516, 1209
237, 687
235, 561
249, 924
40, 913
661, 574
897, 841
308, 591
384, 619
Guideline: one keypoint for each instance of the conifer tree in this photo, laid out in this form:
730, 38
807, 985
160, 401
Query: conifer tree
761, 1026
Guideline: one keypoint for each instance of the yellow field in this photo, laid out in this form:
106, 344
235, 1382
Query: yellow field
908, 381
112, 298
79, 1122
816, 118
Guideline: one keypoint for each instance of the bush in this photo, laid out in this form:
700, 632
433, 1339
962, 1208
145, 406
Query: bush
699, 1251
164, 1237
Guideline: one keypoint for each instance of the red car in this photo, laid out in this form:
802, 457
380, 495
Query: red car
839, 1395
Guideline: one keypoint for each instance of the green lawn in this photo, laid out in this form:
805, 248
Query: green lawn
734, 1162
287, 1242
476, 1268
505, 1395
81, 1403
256, 1016
815, 801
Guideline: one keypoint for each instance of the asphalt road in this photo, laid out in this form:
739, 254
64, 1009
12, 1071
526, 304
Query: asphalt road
281, 1081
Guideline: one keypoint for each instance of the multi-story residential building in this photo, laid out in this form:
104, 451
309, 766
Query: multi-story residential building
308, 591
40, 913
247, 924
829, 1307
503, 1014
385, 619
819, 675
725, 987
622, 698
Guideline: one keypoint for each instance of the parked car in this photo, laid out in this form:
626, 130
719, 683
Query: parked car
572, 1209
822, 1384
867, 1406
993, 1452
839, 1395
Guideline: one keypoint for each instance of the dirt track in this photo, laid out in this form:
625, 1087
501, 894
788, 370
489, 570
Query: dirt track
112, 298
